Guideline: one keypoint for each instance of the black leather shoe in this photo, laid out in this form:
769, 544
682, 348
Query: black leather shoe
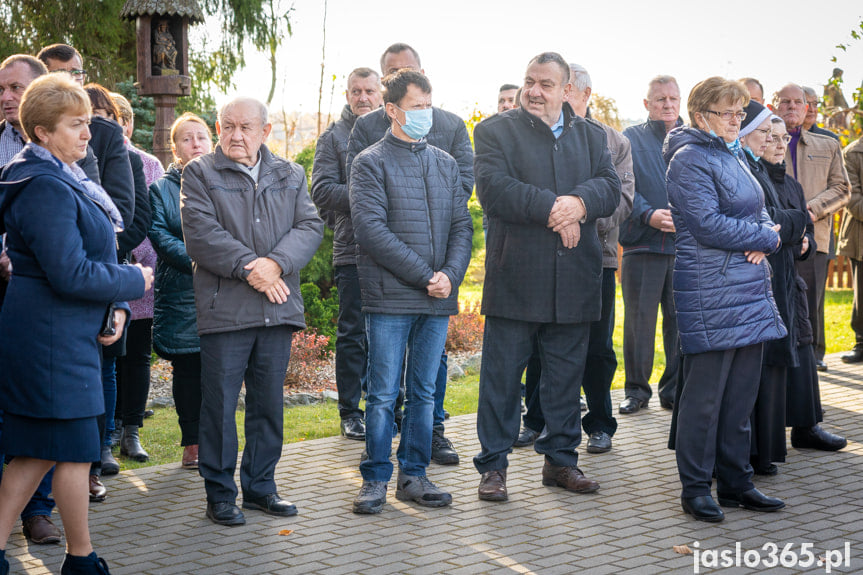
225, 513
702, 508
664, 404
632, 405
354, 428
598, 442
853, 356
753, 500
820, 365
526, 437
270, 504
442, 451
769, 469
816, 437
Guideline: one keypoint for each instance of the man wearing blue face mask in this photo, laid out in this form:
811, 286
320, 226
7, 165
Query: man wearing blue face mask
448, 133
414, 234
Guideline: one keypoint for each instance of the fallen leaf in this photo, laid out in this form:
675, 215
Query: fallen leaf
682, 549
289, 531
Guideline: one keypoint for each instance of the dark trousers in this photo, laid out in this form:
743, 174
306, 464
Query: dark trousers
258, 356
186, 389
857, 306
507, 346
351, 343
133, 373
768, 417
645, 281
599, 368
719, 391
813, 270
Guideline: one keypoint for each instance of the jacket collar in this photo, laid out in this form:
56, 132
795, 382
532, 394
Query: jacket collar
569, 119
223, 162
414, 147
657, 127
348, 117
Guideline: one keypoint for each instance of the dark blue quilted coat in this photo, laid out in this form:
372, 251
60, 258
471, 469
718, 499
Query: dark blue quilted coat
723, 301
410, 219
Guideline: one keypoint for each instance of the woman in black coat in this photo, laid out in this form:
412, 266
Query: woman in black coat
768, 415
60, 229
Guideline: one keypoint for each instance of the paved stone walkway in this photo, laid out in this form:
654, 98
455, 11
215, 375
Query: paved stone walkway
153, 521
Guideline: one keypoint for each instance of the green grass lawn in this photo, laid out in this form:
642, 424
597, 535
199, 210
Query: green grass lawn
161, 435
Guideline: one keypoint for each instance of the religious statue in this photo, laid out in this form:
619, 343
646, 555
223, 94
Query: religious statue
833, 97
164, 50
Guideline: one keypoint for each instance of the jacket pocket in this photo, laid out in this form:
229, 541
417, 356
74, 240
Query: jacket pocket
725, 263
216, 293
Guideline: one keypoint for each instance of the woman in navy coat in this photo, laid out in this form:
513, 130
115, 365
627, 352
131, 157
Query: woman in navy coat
724, 302
60, 234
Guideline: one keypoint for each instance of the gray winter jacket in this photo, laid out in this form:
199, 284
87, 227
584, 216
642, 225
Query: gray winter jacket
228, 221
329, 185
410, 221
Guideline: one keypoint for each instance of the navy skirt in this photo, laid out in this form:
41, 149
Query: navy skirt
75, 440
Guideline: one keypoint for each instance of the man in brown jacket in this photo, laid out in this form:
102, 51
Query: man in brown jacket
851, 243
816, 162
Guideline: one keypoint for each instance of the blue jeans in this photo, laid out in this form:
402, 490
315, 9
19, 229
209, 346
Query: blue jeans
109, 389
389, 336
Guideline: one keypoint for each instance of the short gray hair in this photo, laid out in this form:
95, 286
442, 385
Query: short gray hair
661, 79
260, 106
809, 91
579, 77
555, 58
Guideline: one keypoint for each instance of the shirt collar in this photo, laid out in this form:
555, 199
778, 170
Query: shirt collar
557, 128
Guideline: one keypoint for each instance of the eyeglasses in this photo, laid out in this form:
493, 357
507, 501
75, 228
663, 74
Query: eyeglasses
767, 132
74, 73
785, 138
727, 115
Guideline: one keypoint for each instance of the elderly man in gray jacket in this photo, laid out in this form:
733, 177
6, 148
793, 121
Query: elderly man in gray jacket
249, 226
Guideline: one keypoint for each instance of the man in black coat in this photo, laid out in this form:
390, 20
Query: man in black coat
544, 175
330, 194
448, 133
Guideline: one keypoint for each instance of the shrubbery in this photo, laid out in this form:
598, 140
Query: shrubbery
309, 355
466, 329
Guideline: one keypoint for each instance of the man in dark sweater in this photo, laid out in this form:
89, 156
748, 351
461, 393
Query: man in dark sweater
647, 237
330, 194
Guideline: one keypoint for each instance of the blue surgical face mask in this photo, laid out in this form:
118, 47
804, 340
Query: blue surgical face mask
749, 151
417, 123
734, 147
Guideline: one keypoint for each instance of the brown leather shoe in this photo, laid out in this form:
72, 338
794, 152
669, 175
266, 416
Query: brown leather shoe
97, 490
190, 457
39, 529
570, 478
492, 486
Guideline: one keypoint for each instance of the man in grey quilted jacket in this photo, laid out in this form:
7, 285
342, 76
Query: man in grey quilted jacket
414, 234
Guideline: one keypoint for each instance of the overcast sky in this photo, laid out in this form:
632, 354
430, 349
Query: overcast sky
470, 47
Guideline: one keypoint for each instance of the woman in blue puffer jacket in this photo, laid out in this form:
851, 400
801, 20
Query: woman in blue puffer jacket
725, 306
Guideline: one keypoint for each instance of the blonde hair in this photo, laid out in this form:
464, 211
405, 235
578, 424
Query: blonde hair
123, 107
187, 117
712, 91
47, 98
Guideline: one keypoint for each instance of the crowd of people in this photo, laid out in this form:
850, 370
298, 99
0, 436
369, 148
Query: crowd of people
725, 225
